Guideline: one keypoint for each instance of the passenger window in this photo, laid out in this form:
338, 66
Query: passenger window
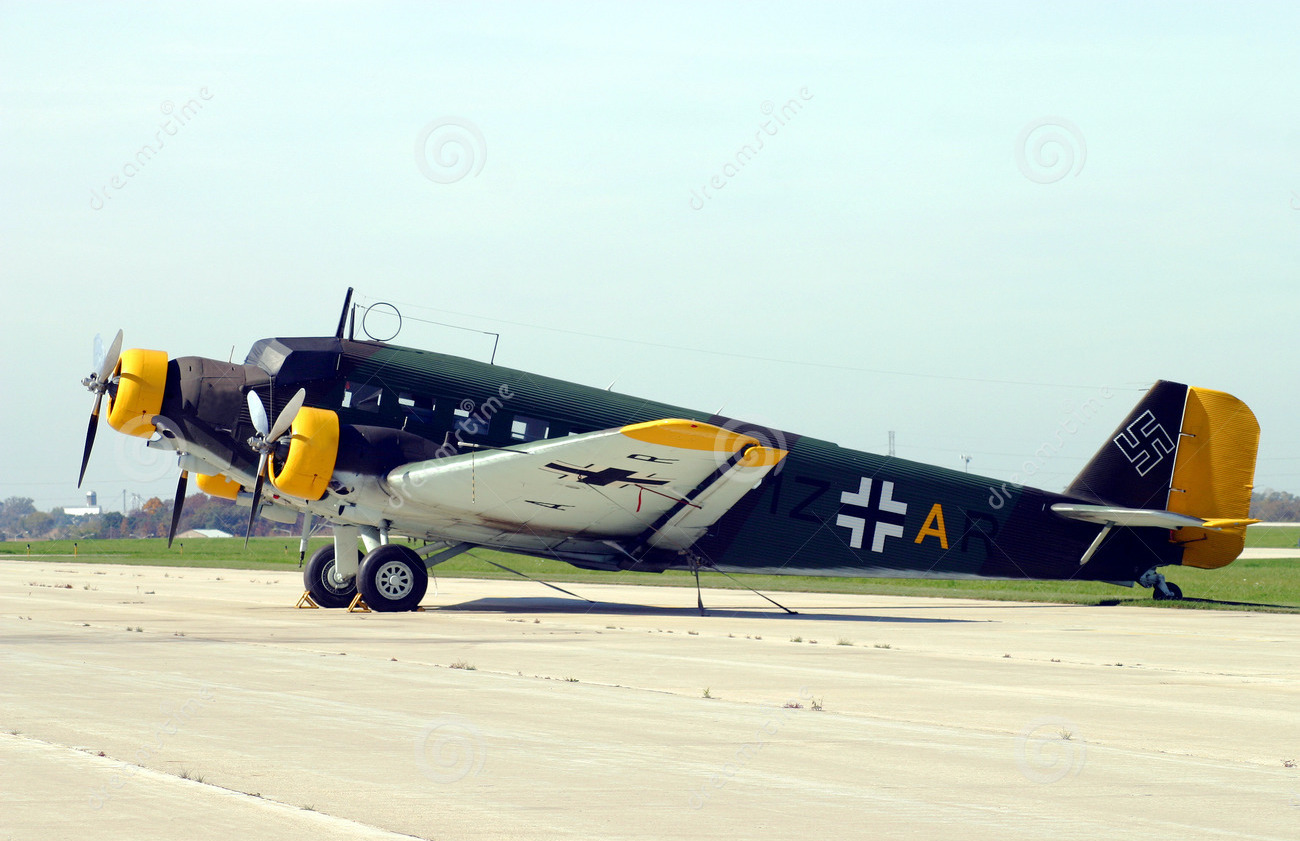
467, 422
528, 429
418, 409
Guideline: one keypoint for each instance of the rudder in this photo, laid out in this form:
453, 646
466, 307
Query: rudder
1214, 475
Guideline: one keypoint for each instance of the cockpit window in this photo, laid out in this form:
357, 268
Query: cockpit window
362, 396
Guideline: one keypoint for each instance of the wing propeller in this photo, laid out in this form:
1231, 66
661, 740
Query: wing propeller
177, 506
169, 431
263, 443
101, 376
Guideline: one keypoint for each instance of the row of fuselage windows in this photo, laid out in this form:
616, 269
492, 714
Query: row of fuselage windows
420, 413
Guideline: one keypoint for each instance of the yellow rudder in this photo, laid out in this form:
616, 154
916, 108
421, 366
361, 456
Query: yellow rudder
1214, 475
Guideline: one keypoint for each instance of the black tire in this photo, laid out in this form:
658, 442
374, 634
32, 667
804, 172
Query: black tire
392, 579
318, 577
1175, 593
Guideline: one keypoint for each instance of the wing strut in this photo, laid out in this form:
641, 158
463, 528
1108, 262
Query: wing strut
1096, 543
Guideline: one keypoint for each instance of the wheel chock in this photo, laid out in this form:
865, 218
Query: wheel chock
358, 605
306, 601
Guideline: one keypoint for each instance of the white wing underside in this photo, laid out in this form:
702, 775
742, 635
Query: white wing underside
659, 484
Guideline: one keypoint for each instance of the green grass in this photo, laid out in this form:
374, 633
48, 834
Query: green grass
1272, 584
1273, 537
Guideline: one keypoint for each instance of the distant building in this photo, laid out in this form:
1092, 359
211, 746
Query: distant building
204, 533
90, 508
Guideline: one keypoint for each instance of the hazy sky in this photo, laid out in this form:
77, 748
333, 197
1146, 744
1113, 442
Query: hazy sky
963, 222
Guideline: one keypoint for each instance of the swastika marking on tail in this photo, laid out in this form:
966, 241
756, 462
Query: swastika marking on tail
1144, 443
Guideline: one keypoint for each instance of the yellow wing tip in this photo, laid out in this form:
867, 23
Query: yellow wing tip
688, 435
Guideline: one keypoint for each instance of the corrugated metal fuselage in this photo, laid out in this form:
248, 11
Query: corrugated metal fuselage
825, 511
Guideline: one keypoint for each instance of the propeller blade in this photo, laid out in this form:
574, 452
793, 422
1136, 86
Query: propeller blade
257, 496
177, 506
90, 438
258, 413
110, 359
98, 383
285, 419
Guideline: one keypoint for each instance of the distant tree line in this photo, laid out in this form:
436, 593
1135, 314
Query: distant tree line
20, 520
1275, 506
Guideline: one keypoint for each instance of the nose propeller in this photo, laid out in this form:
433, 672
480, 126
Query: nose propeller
263, 443
101, 376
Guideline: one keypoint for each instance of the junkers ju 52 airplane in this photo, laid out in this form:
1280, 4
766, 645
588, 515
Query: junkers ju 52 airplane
376, 439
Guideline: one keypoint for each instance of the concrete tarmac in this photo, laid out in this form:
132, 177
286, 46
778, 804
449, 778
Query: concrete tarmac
156, 703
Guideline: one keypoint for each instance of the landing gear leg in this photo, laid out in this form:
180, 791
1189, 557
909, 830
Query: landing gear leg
323, 582
1161, 590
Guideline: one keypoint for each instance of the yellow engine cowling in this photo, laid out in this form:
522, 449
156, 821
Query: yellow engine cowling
313, 449
142, 378
218, 486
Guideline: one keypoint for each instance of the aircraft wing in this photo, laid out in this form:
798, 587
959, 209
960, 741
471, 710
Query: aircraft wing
660, 484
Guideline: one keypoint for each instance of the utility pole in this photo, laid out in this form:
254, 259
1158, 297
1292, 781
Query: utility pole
891, 443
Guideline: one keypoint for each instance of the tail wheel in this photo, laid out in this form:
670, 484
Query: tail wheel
321, 580
1175, 593
393, 578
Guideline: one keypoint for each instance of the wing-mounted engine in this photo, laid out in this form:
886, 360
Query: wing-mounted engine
218, 486
313, 451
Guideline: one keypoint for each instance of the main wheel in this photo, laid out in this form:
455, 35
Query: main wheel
1175, 593
324, 585
393, 578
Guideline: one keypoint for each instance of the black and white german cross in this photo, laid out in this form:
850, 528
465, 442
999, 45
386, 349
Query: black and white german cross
871, 507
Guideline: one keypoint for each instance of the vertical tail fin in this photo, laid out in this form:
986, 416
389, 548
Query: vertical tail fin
1186, 450
1135, 467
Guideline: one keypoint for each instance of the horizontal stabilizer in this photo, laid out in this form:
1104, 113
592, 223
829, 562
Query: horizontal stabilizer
1110, 515
1227, 525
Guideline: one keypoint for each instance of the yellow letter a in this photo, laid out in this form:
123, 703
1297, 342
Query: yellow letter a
934, 526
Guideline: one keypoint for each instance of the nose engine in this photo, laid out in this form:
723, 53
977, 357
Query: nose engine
135, 381
141, 380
